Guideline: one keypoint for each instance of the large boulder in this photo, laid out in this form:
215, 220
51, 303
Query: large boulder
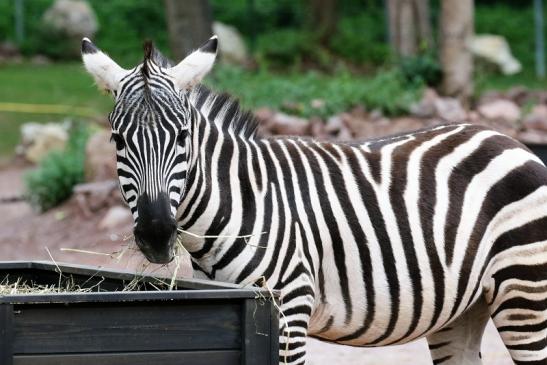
40, 139
100, 158
500, 110
434, 106
232, 46
71, 19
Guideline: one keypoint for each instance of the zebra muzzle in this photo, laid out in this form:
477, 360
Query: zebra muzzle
156, 229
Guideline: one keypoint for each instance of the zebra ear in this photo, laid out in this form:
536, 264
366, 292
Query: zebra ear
105, 71
194, 67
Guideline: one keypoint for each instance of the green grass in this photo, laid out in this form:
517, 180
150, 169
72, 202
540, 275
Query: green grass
69, 84
66, 84
489, 82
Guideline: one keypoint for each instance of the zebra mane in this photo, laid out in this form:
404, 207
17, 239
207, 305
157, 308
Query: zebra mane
224, 110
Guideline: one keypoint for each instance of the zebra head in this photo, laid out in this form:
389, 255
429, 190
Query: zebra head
151, 127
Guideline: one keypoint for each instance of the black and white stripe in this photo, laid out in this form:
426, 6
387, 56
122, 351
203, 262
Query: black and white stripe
425, 234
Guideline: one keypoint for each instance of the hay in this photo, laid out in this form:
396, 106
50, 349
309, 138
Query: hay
20, 286
66, 284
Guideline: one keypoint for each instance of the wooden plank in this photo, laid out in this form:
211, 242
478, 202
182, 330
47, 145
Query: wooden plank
274, 333
56, 329
256, 334
136, 296
6, 334
45, 273
227, 357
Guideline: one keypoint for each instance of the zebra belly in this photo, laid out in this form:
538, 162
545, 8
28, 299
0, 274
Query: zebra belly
328, 321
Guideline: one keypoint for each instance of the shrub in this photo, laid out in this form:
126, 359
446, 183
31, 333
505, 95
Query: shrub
282, 48
362, 38
424, 68
387, 90
52, 182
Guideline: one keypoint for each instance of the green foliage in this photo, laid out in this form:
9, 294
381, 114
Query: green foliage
516, 25
125, 24
424, 68
388, 90
362, 39
52, 182
285, 47
267, 15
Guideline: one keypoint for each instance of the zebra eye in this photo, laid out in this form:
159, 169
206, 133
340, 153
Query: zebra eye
180, 139
120, 144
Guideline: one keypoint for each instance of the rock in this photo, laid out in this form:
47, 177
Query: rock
71, 19
490, 96
92, 197
317, 128
231, 44
40, 139
537, 119
532, 136
449, 109
518, 94
116, 216
8, 50
500, 109
357, 124
100, 158
285, 124
40, 60
359, 111
504, 126
334, 125
376, 114
264, 114
425, 108
495, 49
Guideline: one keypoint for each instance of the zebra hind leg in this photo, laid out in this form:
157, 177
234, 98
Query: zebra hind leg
519, 311
459, 342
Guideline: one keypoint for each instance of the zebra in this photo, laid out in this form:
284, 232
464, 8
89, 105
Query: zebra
371, 243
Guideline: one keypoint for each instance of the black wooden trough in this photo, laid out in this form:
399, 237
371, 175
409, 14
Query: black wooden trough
539, 149
202, 322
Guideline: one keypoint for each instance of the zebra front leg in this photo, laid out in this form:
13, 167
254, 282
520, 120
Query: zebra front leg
295, 311
293, 330
459, 343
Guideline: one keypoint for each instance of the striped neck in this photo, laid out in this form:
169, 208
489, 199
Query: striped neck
218, 178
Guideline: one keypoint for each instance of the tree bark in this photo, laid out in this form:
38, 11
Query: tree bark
456, 59
409, 26
324, 18
189, 23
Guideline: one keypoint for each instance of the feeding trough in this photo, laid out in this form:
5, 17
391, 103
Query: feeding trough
84, 316
539, 149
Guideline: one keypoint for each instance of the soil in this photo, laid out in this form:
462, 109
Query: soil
28, 235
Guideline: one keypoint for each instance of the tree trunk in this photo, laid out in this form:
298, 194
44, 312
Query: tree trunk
324, 18
189, 23
409, 26
456, 59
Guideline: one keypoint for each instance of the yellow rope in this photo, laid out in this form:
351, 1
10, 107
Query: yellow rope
48, 109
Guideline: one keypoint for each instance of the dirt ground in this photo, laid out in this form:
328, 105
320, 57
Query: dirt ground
26, 235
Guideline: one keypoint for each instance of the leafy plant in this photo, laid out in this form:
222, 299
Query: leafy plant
423, 68
387, 90
52, 182
362, 38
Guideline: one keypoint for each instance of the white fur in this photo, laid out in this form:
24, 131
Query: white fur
193, 68
105, 71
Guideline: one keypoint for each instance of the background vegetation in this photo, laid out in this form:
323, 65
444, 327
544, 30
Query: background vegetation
292, 68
